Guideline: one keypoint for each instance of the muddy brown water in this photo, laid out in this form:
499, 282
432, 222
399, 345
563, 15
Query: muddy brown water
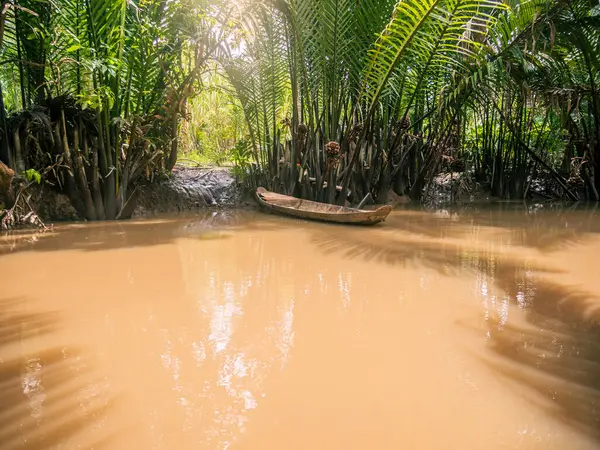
477, 329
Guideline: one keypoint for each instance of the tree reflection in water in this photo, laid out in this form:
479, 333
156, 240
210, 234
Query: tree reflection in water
555, 352
269, 327
47, 393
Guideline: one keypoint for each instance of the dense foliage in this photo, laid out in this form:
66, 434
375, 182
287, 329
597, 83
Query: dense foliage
320, 97
100, 86
215, 122
504, 89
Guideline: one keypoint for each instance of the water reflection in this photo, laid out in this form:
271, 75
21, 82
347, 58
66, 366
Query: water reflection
554, 347
253, 332
237, 330
33, 387
48, 396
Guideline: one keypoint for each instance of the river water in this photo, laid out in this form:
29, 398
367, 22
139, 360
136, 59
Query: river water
454, 330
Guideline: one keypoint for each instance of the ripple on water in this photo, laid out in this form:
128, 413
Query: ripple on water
475, 329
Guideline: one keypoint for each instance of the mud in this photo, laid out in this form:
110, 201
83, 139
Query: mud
186, 189
189, 189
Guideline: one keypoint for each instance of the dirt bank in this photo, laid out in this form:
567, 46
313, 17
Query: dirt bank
186, 189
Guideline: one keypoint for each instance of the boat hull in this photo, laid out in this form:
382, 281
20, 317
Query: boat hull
307, 209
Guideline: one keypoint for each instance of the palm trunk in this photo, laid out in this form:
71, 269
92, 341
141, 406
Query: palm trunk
96, 189
4, 141
4, 147
174, 143
63, 146
90, 212
108, 171
19, 162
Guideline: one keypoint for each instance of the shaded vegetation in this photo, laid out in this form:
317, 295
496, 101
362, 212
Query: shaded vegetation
329, 100
101, 88
505, 90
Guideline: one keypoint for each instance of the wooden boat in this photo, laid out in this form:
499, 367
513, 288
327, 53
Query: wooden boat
307, 209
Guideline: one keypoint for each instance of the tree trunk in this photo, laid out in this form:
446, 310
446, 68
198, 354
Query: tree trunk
84, 188
384, 183
96, 189
107, 169
61, 137
4, 140
19, 162
174, 143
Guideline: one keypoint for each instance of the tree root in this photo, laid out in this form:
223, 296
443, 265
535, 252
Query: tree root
21, 215
10, 219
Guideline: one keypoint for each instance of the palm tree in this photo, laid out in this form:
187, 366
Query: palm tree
353, 77
401, 87
103, 86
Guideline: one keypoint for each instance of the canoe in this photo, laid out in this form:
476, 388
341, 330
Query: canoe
307, 209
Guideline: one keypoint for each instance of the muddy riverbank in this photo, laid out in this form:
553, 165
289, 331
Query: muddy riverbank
204, 189
189, 189
186, 189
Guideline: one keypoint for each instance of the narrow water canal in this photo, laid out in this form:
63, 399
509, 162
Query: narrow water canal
471, 331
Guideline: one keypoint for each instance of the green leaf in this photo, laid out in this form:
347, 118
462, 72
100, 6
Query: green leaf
33, 175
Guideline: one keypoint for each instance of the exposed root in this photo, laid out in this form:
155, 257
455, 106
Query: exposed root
10, 219
21, 215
